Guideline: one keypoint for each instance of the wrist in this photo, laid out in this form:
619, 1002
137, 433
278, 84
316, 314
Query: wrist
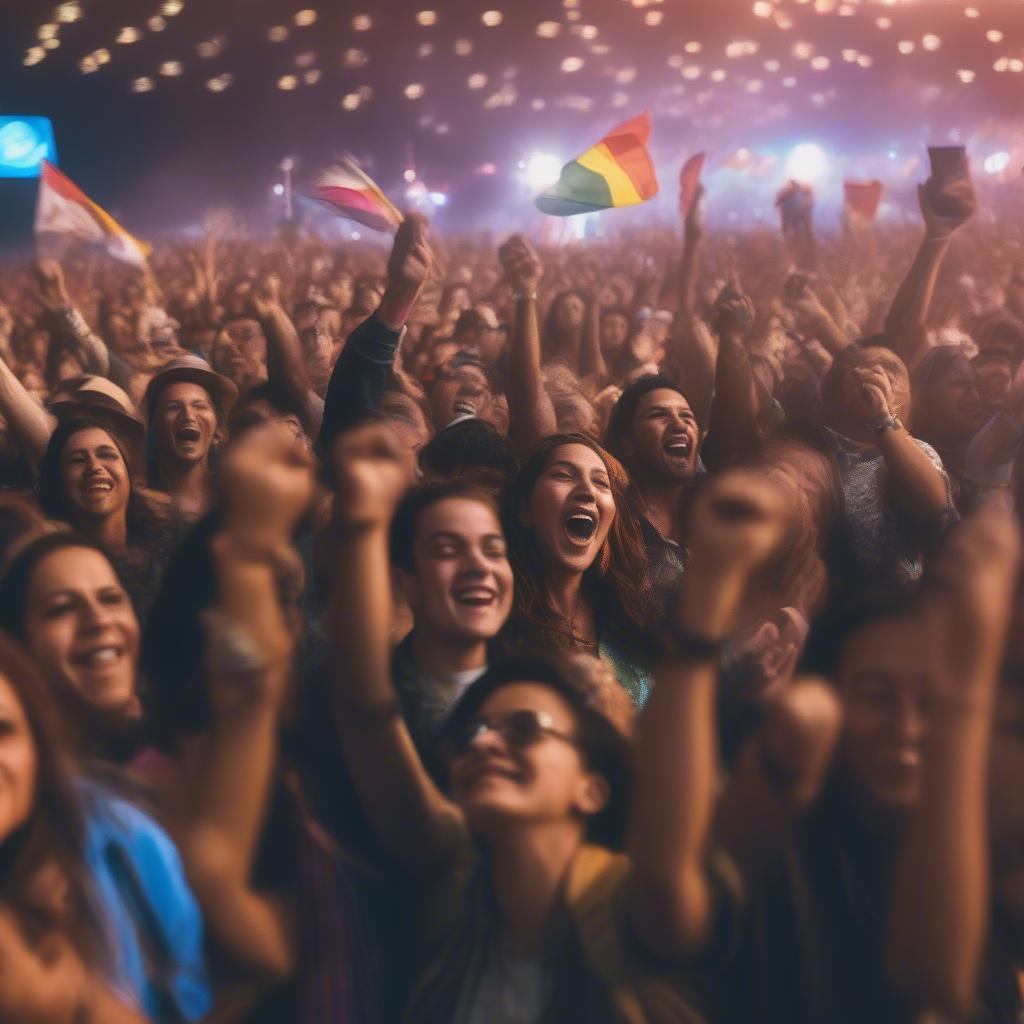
527, 295
396, 305
886, 423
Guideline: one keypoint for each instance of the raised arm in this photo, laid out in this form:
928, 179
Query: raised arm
693, 349
30, 423
812, 318
905, 326
69, 324
267, 479
286, 364
736, 523
732, 425
918, 486
938, 915
592, 364
360, 375
531, 414
414, 822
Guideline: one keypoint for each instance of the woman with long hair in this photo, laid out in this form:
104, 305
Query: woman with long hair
88, 882
578, 555
86, 480
51, 934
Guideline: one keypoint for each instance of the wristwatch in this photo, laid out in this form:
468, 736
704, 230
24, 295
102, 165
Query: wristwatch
889, 423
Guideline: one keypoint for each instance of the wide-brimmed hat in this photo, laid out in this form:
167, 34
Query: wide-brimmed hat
193, 370
98, 398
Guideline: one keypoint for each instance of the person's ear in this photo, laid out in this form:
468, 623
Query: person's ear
592, 794
404, 584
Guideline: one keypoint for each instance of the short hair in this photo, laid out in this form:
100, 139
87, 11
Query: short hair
621, 420
403, 526
605, 746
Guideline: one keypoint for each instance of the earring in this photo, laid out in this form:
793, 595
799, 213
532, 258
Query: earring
604, 559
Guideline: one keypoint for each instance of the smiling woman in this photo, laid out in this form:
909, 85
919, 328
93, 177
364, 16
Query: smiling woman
85, 481
582, 580
62, 598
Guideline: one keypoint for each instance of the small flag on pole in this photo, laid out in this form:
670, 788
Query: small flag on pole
63, 208
863, 197
689, 179
616, 172
347, 190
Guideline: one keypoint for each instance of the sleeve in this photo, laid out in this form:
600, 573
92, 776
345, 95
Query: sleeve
359, 378
979, 465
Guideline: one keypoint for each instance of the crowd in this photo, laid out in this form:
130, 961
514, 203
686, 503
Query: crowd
620, 632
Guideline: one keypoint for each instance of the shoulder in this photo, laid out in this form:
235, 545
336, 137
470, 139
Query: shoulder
932, 454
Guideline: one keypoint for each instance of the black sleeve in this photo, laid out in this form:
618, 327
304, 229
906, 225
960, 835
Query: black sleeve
359, 378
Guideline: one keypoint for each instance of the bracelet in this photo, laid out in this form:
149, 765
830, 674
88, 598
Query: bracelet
687, 646
891, 423
524, 297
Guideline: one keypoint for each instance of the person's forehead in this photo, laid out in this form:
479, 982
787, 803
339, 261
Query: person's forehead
664, 397
72, 568
89, 437
526, 695
892, 648
460, 515
577, 455
184, 391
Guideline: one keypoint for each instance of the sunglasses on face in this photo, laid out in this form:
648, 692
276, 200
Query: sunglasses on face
519, 729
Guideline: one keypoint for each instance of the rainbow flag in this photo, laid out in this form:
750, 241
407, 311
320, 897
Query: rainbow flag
62, 208
616, 172
347, 190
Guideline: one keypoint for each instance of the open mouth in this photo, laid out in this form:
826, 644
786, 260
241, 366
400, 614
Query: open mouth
98, 657
580, 526
475, 596
678, 447
98, 486
463, 407
188, 434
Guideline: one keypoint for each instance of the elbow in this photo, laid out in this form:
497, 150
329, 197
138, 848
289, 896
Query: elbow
672, 916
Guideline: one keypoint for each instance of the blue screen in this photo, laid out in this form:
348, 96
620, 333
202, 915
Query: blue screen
24, 142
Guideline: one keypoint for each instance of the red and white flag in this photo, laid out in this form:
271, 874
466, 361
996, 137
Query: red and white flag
64, 209
346, 189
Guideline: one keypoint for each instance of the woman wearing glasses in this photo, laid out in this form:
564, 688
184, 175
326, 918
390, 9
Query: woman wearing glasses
530, 915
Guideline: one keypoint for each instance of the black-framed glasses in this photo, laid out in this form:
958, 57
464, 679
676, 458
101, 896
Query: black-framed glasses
519, 729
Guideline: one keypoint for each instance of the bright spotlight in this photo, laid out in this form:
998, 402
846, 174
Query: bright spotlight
542, 170
438, 198
279, 189
806, 162
997, 162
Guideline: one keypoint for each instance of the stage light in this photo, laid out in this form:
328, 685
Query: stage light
997, 162
806, 162
542, 169
279, 189
438, 198
24, 143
